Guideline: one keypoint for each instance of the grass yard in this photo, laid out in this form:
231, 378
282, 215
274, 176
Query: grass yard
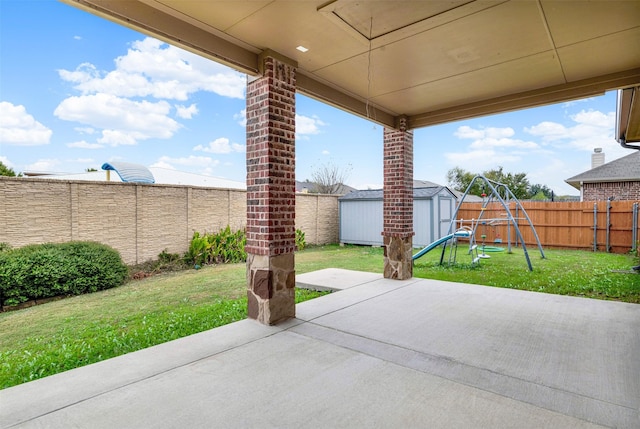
564, 272
65, 334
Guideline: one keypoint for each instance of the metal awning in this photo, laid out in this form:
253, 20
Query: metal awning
129, 172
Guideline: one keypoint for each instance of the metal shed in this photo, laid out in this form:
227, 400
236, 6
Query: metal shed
361, 215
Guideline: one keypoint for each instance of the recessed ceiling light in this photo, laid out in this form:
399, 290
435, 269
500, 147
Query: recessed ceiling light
302, 48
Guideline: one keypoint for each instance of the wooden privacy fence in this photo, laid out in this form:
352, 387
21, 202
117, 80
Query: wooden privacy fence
604, 225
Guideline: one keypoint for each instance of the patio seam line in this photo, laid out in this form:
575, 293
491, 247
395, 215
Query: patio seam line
338, 289
413, 280
461, 380
149, 377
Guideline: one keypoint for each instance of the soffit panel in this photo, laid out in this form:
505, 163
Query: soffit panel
220, 15
579, 62
517, 76
502, 34
466, 52
360, 15
575, 21
305, 26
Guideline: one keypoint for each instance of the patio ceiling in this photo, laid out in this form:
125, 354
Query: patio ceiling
432, 61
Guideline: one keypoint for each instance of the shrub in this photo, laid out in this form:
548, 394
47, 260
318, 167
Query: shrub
221, 248
48, 270
300, 241
224, 247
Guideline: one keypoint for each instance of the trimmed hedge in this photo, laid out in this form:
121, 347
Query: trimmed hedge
47, 270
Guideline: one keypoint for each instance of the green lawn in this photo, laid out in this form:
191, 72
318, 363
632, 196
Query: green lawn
65, 334
565, 272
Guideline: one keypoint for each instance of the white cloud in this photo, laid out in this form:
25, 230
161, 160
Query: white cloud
153, 68
43, 165
466, 132
241, 117
503, 143
6, 161
186, 112
484, 138
123, 121
591, 129
305, 125
574, 102
17, 127
308, 125
548, 130
326, 152
82, 160
85, 130
478, 160
220, 145
190, 161
84, 145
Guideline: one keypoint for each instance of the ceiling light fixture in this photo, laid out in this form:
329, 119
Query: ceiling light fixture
302, 49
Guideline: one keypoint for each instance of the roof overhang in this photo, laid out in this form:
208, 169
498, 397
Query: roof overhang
430, 62
628, 118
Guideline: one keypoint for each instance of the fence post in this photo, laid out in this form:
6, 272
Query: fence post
608, 249
595, 227
634, 230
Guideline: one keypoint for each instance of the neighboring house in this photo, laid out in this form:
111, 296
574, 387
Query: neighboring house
619, 180
308, 187
361, 216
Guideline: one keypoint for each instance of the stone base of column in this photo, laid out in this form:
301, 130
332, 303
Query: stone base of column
271, 282
398, 263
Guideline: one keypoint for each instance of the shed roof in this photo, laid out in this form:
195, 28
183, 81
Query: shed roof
625, 169
377, 194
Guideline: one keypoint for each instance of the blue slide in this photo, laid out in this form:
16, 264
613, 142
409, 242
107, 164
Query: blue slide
439, 241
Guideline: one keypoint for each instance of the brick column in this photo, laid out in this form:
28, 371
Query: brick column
398, 202
271, 192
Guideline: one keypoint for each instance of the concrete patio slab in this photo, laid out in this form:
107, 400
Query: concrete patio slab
382, 353
334, 279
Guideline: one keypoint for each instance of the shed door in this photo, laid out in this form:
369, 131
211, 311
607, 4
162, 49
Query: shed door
446, 211
422, 222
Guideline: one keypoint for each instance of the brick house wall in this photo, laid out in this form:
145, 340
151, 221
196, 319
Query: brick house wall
604, 190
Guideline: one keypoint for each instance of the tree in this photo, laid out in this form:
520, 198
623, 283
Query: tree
460, 179
6, 171
540, 192
517, 183
329, 178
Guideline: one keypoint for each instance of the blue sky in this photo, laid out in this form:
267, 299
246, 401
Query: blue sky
77, 90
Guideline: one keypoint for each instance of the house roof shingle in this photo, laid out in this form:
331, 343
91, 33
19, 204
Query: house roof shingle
624, 169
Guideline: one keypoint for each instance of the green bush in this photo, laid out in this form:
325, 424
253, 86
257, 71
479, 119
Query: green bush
48, 270
300, 241
224, 247
221, 248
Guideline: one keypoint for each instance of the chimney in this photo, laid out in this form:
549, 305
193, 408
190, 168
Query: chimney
597, 157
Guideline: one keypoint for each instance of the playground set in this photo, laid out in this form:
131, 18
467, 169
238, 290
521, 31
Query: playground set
460, 229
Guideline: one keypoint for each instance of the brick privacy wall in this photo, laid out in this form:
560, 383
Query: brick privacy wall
271, 160
398, 183
619, 190
139, 221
